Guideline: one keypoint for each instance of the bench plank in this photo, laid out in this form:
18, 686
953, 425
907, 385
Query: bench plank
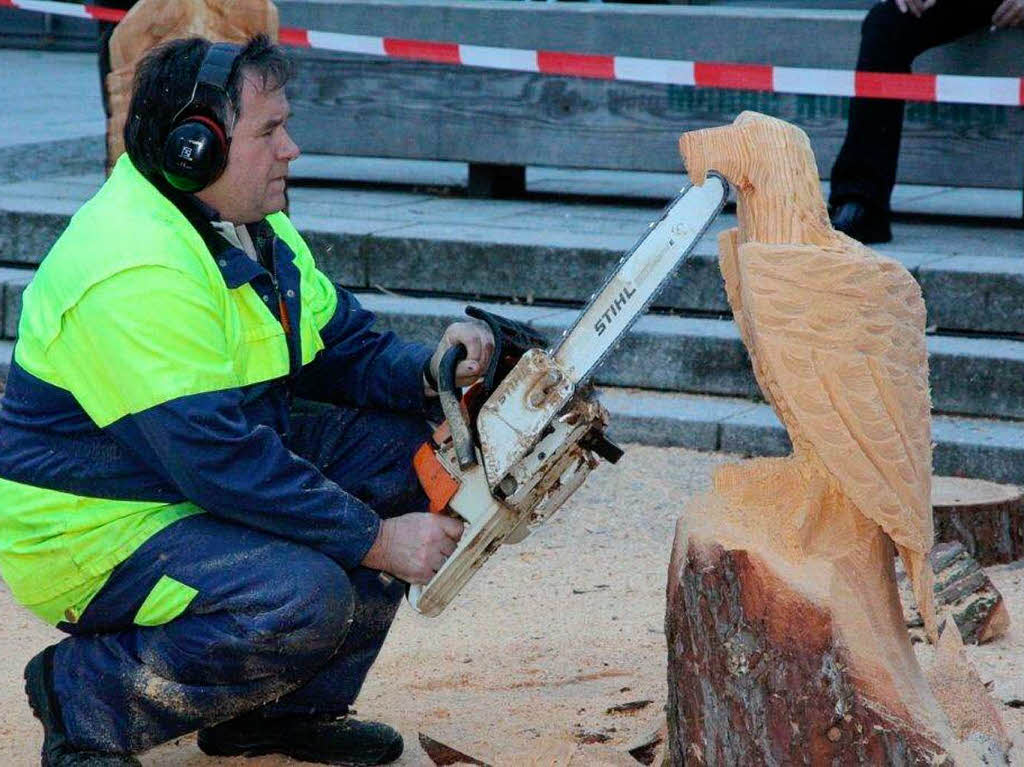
371, 107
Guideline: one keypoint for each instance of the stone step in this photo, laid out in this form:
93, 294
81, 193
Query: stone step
12, 285
970, 447
963, 447
969, 376
6, 353
972, 275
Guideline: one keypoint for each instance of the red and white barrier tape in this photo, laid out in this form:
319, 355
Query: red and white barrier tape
949, 89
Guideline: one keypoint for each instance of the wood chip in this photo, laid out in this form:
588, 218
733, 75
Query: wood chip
442, 754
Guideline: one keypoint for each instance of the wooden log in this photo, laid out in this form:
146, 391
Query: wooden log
772, 662
986, 517
963, 593
757, 675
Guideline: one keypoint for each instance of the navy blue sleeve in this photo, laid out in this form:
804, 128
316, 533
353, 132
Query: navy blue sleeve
362, 367
204, 445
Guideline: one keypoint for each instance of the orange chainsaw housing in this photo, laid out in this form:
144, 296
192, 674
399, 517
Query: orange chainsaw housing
439, 485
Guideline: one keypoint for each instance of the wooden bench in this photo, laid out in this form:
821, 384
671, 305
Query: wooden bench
499, 121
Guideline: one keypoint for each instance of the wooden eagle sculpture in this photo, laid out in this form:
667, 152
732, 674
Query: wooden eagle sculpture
836, 337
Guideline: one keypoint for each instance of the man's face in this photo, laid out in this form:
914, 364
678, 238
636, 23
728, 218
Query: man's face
253, 183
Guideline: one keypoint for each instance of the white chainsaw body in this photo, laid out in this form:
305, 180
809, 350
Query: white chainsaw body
529, 461
532, 450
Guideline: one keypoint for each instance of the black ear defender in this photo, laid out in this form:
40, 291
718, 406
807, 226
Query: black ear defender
196, 148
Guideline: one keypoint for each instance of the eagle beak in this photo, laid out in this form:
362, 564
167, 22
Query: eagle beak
709, 149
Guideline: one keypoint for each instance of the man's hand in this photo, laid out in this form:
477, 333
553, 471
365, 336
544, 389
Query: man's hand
479, 343
1010, 13
916, 7
414, 546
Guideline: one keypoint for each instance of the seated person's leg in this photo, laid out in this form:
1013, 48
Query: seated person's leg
242, 618
864, 173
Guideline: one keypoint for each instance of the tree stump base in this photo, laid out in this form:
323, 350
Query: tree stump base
781, 657
757, 677
986, 517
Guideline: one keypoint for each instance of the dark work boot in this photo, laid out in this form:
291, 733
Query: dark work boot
322, 738
56, 750
862, 222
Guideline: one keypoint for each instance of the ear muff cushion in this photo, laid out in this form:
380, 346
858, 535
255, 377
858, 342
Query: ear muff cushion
195, 153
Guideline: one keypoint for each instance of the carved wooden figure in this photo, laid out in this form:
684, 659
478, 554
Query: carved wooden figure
836, 336
152, 22
786, 637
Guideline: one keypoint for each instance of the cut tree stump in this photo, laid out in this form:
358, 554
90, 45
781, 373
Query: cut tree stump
774, 661
757, 676
962, 592
986, 517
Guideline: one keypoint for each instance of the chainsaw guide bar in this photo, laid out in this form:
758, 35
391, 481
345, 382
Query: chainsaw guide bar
506, 465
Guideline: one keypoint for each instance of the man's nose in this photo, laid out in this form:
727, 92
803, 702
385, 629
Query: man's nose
289, 149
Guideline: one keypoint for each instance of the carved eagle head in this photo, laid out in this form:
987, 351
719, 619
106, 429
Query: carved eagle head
787, 183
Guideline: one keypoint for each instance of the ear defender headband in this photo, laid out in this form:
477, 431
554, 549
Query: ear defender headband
196, 148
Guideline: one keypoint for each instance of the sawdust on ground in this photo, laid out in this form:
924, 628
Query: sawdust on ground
546, 641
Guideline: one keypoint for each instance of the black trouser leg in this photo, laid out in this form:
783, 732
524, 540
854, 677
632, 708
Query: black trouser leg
865, 169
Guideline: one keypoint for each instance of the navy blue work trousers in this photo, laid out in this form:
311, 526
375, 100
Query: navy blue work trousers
274, 624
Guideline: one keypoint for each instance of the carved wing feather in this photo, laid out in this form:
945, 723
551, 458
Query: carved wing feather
838, 334
728, 263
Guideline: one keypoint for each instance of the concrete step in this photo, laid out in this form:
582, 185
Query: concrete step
965, 447
969, 376
12, 285
970, 447
539, 250
6, 353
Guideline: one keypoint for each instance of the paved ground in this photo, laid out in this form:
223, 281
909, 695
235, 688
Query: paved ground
540, 644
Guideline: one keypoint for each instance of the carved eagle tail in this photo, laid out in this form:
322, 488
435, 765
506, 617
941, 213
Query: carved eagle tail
922, 580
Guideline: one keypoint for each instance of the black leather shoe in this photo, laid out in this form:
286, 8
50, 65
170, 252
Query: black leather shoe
56, 750
861, 222
323, 739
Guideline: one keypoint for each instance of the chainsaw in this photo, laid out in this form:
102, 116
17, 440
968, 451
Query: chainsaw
525, 436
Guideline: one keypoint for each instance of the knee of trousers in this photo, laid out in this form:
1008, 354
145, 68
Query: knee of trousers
396, 488
884, 45
302, 620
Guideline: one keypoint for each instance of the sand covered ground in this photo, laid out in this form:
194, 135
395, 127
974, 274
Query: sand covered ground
547, 638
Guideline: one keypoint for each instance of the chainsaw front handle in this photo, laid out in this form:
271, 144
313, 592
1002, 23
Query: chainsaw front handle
451, 405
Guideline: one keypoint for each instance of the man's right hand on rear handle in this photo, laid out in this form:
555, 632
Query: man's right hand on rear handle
413, 547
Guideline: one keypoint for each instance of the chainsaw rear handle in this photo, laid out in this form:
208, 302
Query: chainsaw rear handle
451, 405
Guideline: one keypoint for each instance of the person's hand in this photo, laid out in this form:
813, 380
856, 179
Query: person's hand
1010, 13
916, 7
414, 546
479, 342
